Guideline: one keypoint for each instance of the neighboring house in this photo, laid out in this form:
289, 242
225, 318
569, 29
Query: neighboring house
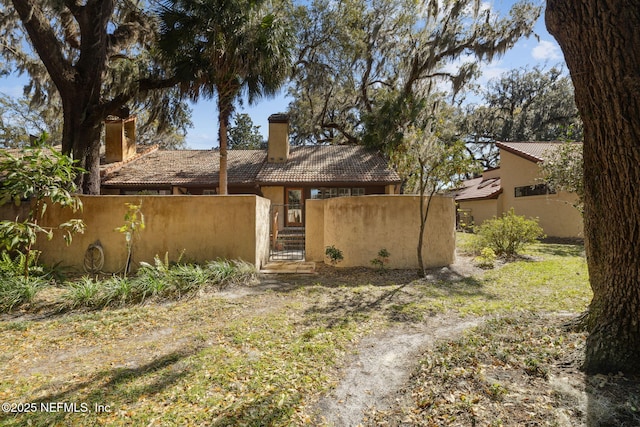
516, 184
286, 175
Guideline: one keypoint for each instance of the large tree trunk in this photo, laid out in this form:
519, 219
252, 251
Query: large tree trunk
81, 140
600, 40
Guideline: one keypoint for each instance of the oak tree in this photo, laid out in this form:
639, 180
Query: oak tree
90, 53
365, 69
521, 105
600, 39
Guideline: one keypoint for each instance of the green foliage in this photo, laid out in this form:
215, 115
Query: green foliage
334, 254
563, 170
509, 234
16, 290
227, 49
381, 259
366, 68
244, 135
16, 265
133, 224
39, 175
160, 280
19, 117
430, 160
486, 259
521, 105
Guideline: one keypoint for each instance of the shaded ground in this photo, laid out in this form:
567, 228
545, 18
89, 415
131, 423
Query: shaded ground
410, 366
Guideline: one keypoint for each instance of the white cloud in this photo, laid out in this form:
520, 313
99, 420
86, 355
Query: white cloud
546, 50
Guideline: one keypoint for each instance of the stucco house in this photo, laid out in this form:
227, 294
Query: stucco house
516, 184
286, 175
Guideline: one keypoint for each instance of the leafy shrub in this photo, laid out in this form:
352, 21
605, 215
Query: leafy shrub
486, 259
334, 254
509, 234
381, 259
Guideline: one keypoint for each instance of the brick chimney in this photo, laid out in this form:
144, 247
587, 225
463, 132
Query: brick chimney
120, 139
278, 144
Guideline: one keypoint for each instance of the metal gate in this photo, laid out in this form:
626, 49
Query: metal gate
287, 237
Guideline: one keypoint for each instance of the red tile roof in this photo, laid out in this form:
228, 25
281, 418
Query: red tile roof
187, 167
308, 164
478, 189
329, 164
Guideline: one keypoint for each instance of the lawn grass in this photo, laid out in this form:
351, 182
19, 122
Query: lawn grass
255, 360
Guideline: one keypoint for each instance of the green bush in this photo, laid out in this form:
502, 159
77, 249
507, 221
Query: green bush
486, 259
334, 254
509, 234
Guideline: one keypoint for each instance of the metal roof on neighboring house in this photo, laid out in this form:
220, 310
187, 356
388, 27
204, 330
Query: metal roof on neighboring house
306, 164
533, 151
478, 189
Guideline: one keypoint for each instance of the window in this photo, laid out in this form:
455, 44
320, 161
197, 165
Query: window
533, 190
327, 193
146, 192
209, 192
342, 192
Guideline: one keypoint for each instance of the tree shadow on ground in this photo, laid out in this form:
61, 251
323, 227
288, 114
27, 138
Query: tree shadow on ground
106, 388
562, 250
612, 400
405, 302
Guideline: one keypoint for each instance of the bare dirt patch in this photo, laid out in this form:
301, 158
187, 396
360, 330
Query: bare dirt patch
381, 364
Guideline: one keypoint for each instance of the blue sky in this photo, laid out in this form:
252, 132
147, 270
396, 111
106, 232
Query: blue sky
204, 133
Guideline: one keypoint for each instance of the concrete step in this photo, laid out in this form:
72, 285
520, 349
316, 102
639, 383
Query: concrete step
289, 267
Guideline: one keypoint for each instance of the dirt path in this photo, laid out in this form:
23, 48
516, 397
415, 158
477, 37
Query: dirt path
382, 364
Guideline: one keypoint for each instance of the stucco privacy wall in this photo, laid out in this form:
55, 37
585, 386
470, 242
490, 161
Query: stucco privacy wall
202, 227
361, 226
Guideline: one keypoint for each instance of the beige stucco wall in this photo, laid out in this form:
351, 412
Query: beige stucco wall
11, 212
276, 195
482, 210
201, 228
555, 212
314, 230
361, 226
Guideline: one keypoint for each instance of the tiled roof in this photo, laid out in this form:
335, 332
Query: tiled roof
329, 164
479, 188
193, 167
308, 164
533, 151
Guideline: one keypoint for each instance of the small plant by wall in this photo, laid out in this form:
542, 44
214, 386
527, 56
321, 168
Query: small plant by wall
133, 224
334, 254
382, 259
486, 259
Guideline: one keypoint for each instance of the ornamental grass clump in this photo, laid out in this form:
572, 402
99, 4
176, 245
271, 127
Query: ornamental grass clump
161, 280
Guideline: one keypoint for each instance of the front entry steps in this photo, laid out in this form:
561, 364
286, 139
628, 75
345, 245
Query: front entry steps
289, 267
